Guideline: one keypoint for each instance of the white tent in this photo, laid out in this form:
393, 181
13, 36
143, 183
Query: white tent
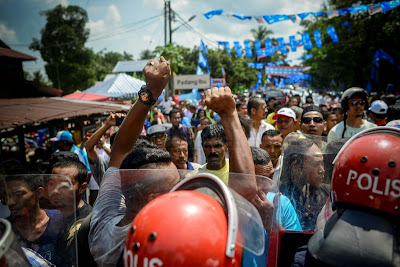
121, 85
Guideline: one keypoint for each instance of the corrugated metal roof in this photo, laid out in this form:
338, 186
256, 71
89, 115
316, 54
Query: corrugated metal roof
122, 85
27, 111
5, 52
130, 65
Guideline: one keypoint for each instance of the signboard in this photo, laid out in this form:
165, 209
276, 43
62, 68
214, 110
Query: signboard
192, 81
218, 82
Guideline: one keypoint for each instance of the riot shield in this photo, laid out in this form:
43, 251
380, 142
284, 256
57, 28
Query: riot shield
42, 212
305, 178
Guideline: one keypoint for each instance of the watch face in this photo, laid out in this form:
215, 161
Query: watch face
144, 96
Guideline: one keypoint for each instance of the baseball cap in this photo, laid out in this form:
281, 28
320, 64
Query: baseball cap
155, 129
379, 107
62, 136
285, 112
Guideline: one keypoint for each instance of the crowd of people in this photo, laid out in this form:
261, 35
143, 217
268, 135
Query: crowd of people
171, 186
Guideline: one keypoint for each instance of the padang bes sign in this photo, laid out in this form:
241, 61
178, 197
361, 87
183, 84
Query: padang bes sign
192, 81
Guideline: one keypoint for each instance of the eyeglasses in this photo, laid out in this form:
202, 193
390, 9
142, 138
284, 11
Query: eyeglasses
158, 136
307, 120
358, 102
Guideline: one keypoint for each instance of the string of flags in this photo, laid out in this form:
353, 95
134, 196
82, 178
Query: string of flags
269, 49
372, 9
260, 66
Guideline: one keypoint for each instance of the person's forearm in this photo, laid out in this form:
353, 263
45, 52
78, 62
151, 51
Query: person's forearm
240, 158
92, 141
128, 133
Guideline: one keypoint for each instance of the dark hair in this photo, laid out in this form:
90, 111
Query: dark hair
292, 97
326, 114
142, 155
144, 142
254, 102
393, 113
312, 108
61, 155
378, 116
271, 98
246, 125
168, 142
213, 131
391, 100
340, 110
239, 104
260, 156
277, 103
297, 110
174, 111
21, 171
191, 106
271, 133
205, 118
82, 175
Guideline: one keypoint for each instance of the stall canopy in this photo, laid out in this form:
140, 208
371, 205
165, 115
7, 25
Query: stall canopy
29, 111
87, 96
121, 85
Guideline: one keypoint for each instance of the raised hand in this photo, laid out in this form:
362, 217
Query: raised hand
220, 100
157, 74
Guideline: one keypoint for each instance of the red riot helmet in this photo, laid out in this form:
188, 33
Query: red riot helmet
349, 93
367, 171
188, 228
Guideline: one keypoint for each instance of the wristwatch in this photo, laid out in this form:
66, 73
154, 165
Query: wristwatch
146, 97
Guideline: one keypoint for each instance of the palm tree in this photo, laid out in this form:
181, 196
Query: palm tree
147, 54
261, 34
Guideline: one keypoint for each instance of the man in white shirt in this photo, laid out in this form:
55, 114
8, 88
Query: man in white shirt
257, 110
354, 102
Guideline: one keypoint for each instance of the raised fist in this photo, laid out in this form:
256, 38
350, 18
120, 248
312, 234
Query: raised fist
157, 74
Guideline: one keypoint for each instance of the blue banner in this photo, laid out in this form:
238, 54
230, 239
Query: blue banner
202, 60
251, 65
226, 45
247, 49
242, 17
306, 41
199, 71
275, 18
268, 47
259, 66
203, 47
332, 33
293, 43
360, 8
257, 46
317, 38
386, 6
282, 46
238, 49
213, 13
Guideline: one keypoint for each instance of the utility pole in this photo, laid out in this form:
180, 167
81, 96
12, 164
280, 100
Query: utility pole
165, 22
170, 22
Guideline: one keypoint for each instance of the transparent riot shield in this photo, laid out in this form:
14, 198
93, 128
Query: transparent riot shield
305, 177
42, 212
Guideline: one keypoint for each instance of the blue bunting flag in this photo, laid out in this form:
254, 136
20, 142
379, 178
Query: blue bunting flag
306, 41
317, 38
347, 24
242, 17
203, 47
332, 13
226, 45
257, 45
213, 13
238, 48
282, 46
275, 18
199, 71
202, 60
360, 8
332, 33
375, 9
268, 47
386, 6
247, 49
293, 43
308, 56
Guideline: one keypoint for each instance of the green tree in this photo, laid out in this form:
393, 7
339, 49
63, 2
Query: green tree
349, 62
104, 62
147, 54
62, 46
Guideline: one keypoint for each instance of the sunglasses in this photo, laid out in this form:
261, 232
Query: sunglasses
358, 102
307, 120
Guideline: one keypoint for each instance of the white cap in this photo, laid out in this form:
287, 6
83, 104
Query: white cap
285, 112
379, 107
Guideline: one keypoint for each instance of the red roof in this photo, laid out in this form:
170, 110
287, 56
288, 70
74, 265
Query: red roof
87, 96
6, 52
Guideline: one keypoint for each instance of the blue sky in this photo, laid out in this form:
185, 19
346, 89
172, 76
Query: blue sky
113, 24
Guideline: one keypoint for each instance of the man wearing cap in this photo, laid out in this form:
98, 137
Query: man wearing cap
65, 142
377, 112
257, 110
286, 121
157, 135
354, 102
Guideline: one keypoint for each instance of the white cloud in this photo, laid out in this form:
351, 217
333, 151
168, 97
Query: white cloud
112, 19
113, 15
7, 35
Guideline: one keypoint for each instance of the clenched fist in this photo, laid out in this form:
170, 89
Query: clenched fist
157, 74
220, 100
